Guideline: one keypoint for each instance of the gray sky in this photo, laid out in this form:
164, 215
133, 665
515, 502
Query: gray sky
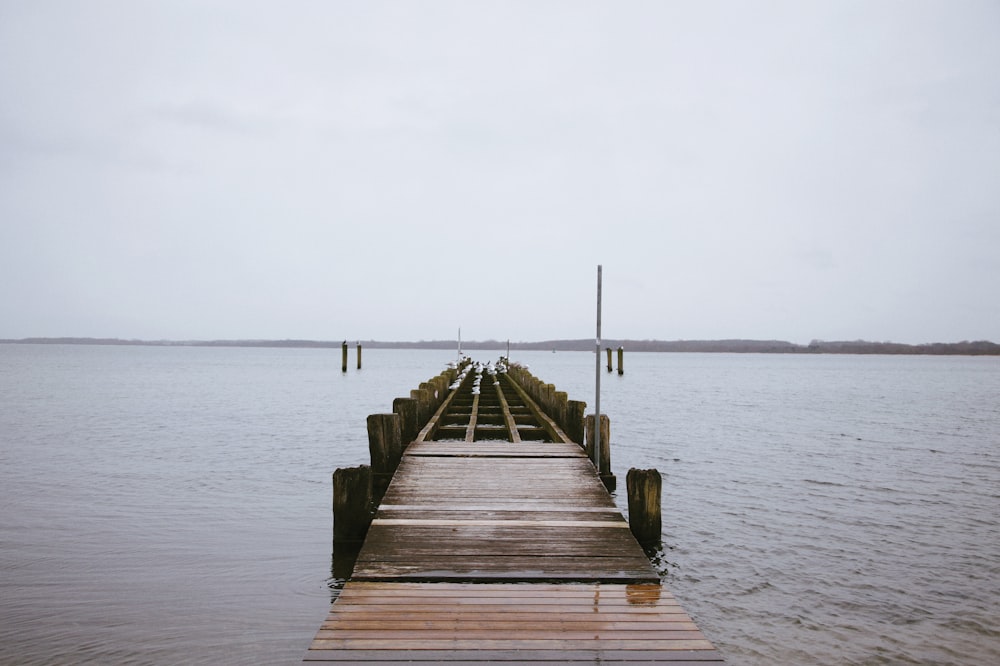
395, 170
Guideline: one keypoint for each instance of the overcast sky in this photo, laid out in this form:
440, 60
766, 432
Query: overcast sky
397, 170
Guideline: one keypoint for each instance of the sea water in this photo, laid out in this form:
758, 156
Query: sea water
172, 504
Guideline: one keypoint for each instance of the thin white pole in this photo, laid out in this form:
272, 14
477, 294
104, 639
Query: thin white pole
597, 397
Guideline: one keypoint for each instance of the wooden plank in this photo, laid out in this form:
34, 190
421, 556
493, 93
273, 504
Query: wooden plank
499, 449
508, 418
497, 522
428, 631
673, 657
511, 621
500, 453
470, 430
534, 515
376, 642
635, 594
550, 426
465, 509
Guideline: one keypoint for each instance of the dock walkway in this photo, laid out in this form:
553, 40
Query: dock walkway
503, 551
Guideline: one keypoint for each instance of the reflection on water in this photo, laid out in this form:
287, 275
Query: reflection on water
344, 557
657, 555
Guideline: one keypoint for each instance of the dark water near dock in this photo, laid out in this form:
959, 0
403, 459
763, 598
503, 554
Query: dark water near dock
172, 504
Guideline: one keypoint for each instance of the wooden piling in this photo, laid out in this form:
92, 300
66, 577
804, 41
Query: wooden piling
409, 422
351, 504
432, 395
604, 455
386, 448
574, 426
621, 362
560, 408
644, 490
343, 357
424, 408
359, 356
609, 358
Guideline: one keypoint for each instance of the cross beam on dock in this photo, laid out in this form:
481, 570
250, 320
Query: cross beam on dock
492, 547
497, 408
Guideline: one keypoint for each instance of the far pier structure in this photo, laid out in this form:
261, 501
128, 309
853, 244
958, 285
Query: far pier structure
484, 533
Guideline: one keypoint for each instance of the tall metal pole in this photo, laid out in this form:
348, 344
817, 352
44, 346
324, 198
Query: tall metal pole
597, 397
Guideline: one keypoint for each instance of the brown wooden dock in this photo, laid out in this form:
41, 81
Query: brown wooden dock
488, 550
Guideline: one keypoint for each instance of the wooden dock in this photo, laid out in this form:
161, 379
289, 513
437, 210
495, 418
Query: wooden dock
502, 550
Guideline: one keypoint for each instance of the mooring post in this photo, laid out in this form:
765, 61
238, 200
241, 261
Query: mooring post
599, 448
359, 356
386, 448
560, 408
343, 357
644, 490
432, 396
607, 476
439, 389
621, 357
574, 427
608, 349
423, 398
408, 410
352, 488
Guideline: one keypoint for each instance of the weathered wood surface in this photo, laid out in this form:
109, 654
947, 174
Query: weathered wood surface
488, 551
481, 623
501, 411
644, 490
470, 511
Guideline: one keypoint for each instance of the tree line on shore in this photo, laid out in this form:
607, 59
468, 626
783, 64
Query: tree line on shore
964, 348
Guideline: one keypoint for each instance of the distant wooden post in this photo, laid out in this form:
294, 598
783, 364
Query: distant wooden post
621, 357
609, 359
386, 448
343, 355
359, 356
351, 504
644, 490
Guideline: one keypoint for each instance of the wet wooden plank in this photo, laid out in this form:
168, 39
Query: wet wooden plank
636, 596
538, 534
498, 507
474, 657
455, 657
495, 622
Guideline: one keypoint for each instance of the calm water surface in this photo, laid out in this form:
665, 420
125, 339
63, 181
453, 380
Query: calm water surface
170, 505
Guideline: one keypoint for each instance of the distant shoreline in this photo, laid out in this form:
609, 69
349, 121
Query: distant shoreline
964, 348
